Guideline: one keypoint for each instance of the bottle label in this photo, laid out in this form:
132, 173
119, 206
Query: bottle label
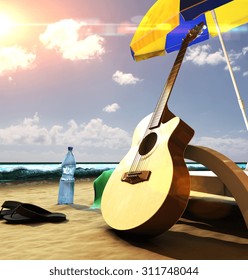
68, 170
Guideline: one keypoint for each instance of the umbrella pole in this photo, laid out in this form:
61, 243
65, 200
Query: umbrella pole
240, 101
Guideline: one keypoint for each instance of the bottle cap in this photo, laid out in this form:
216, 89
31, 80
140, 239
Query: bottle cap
70, 148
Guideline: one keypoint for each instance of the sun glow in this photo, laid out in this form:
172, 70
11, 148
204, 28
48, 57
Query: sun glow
5, 25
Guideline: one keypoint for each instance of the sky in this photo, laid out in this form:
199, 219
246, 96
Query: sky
67, 78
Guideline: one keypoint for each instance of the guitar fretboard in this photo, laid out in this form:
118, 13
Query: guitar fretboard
163, 100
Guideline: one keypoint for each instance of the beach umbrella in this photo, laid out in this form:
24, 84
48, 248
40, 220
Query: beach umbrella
167, 22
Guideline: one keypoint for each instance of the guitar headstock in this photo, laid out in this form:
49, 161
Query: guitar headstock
194, 32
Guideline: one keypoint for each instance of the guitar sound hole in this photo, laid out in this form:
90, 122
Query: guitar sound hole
148, 143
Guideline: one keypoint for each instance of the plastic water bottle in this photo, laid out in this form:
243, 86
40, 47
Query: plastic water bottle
66, 184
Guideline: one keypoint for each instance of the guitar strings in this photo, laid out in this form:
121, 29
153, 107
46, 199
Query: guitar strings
140, 162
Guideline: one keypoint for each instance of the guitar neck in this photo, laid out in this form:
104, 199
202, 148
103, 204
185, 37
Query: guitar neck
163, 100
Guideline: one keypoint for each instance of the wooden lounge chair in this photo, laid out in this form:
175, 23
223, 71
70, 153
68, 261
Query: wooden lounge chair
233, 177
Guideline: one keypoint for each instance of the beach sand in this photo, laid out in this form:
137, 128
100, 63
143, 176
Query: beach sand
85, 236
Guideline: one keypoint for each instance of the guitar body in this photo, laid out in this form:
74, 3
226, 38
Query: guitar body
151, 206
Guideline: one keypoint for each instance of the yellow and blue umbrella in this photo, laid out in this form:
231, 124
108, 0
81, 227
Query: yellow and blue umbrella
167, 22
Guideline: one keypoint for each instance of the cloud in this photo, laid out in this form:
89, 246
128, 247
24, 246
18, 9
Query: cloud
14, 58
125, 78
233, 56
236, 148
27, 132
92, 134
10, 79
201, 55
245, 50
234, 68
64, 37
111, 108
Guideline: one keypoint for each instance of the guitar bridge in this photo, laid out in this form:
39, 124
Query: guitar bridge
136, 177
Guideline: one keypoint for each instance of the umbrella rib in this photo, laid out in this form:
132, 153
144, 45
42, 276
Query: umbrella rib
194, 5
240, 101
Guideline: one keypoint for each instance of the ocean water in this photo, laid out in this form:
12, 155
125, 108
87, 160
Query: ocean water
11, 172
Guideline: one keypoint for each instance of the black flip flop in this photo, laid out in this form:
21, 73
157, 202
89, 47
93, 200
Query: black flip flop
8, 207
30, 213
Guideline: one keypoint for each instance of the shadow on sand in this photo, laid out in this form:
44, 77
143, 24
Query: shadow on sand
192, 238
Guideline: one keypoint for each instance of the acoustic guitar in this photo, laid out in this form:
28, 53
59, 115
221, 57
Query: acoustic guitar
149, 189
